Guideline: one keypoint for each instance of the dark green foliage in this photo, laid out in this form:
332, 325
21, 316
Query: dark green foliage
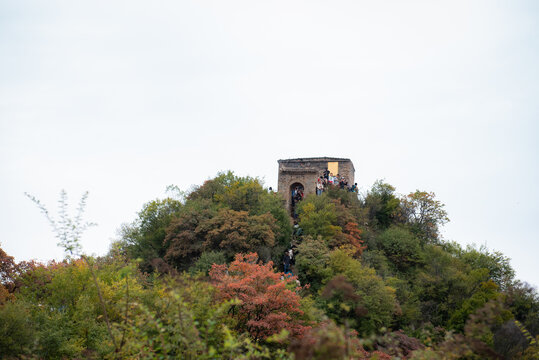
377, 260
497, 264
56, 336
274, 204
375, 296
184, 236
312, 262
509, 340
244, 194
206, 260
441, 286
238, 194
401, 247
144, 238
409, 306
226, 230
16, 329
488, 291
523, 301
342, 302
382, 204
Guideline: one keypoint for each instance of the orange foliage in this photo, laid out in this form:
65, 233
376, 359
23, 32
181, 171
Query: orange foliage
10, 273
353, 236
267, 304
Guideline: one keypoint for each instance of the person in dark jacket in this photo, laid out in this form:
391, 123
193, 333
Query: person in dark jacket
286, 262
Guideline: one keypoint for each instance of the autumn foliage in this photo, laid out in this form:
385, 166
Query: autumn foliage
230, 231
10, 273
353, 235
380, 283
267, 304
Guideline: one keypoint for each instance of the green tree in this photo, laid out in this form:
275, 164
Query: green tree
185, 321
401, 247
424, 214
442, 285
497, 264
312, 262
207, 259
247, 194
377, 260
382, 205
144, 238
375, 297
186, 234
318, 217
242, 194
69, 230
65, 308
212, 187
342, 301
229, 231
274, 204
487, 291
236, 231
237, 193
17, 330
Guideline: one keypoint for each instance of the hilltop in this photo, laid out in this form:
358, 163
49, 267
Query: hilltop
205, 275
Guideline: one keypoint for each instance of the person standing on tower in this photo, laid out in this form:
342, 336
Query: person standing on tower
319, 187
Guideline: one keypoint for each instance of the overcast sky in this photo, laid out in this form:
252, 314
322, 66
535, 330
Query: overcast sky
122, 98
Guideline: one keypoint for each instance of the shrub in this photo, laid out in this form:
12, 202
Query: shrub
206, 260
267, 305
16, 329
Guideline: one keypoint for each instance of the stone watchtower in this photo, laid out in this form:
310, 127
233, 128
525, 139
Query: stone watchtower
304, 172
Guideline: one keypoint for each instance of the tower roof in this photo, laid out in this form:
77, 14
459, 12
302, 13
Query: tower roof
315, 159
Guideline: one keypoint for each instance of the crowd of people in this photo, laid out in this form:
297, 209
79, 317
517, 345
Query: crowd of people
322, 183
327, 178
297, 194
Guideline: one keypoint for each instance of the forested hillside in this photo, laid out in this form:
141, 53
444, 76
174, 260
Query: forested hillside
201, 276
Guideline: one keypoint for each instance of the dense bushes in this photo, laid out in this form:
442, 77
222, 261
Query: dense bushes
198, 278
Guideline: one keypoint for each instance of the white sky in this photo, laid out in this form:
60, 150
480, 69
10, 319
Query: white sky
123, 98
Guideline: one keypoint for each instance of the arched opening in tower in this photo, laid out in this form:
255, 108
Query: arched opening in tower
296, 195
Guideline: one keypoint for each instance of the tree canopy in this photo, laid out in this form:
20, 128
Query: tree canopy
201, 276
